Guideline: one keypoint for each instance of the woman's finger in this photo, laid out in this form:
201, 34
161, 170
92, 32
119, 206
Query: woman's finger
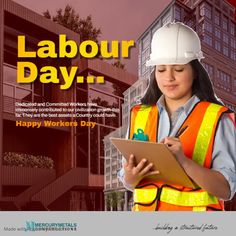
176, 139
170, 141
131, 161
145, 170
140, 165
155, 172
162, 141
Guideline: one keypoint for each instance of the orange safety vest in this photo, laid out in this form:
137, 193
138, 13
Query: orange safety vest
197, 142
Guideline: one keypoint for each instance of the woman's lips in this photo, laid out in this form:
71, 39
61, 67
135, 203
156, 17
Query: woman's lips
171, 87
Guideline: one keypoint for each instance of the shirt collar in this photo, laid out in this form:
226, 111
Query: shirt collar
187, 107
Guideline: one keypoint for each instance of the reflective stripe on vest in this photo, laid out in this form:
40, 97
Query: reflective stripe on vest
146, 119
197, 142
205, 133
175, 197
199, 208
141, 118
195, 137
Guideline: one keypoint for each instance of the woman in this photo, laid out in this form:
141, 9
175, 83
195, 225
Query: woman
180, 99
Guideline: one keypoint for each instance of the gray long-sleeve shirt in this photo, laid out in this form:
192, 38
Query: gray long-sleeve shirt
224, 149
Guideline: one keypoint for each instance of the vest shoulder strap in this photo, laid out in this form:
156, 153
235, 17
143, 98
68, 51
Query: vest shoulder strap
143, 119
199, 137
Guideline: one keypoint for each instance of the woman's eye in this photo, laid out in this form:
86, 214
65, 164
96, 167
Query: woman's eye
160, 70
179, 70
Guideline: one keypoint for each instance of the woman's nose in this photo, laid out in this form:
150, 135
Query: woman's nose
169, 75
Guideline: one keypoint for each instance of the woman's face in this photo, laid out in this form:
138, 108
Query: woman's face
175, 81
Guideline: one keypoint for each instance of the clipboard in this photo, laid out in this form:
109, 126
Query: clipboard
163, 160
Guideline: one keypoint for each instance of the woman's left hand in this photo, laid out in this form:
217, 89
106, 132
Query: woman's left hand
175, 146
203, 177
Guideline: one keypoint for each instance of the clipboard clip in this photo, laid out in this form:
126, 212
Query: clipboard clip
140, 136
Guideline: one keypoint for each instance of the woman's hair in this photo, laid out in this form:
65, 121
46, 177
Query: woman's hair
202, 86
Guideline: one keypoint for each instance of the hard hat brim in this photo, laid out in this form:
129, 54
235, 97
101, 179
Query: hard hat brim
167, 61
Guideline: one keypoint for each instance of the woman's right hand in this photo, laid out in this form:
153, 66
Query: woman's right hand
133, 174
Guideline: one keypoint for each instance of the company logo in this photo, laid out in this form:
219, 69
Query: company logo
50, 226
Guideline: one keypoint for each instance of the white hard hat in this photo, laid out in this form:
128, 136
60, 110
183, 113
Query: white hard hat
174, 43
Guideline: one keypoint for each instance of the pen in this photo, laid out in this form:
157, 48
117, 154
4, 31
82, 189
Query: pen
180, 132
